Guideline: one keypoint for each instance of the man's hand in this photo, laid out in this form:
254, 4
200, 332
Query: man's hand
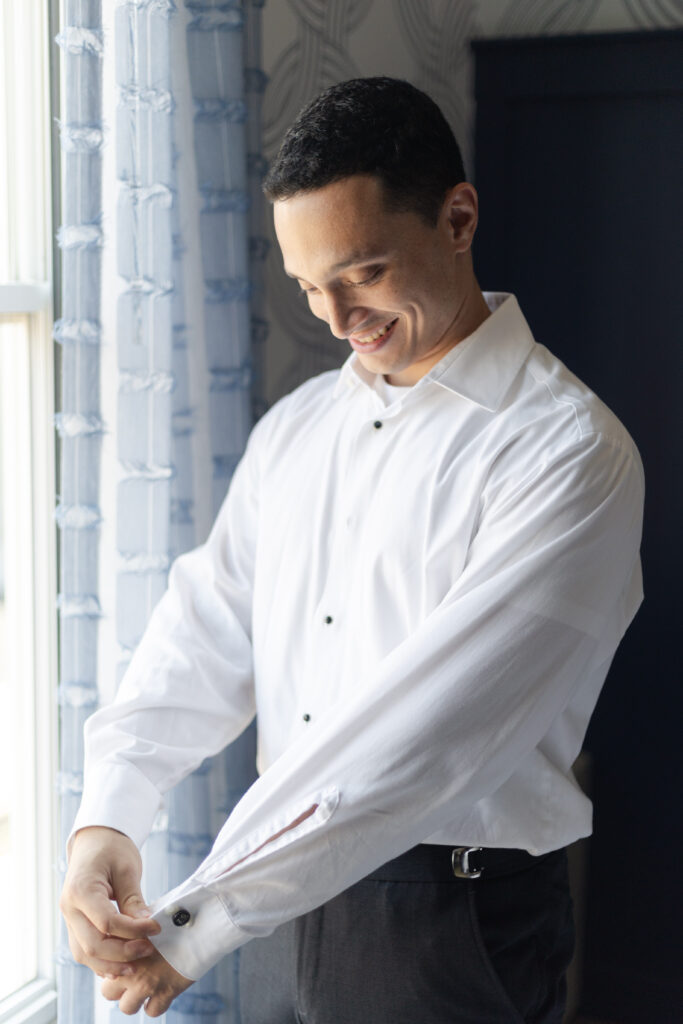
154, 985
105, 865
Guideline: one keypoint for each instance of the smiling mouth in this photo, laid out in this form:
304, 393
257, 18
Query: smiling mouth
370, 339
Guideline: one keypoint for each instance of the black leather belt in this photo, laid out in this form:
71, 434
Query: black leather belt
430, 863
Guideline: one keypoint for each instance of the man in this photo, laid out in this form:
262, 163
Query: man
418, 580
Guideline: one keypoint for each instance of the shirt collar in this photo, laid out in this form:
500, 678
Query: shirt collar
480, 368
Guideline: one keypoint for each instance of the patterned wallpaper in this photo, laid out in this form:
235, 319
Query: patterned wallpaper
310, 44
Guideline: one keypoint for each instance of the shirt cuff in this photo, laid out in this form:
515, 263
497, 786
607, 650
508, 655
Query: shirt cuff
117, 796
196, 930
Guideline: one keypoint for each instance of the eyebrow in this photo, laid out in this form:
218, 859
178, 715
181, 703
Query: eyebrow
355, 259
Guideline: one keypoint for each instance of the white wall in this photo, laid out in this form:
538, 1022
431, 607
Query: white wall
310, 44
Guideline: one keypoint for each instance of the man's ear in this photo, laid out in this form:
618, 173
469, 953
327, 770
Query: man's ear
461, 213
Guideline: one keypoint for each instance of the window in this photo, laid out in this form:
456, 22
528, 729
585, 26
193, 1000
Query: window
28, 850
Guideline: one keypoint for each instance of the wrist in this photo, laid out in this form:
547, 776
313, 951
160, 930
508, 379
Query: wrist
100, 835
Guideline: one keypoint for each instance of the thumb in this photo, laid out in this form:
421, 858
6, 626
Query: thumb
134, 905
126, 886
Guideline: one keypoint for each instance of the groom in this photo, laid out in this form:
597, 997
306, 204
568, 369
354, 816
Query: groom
418, 580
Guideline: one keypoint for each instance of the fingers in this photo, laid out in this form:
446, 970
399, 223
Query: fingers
103, 968
107, 947
113, 988
133, 994
131, 999
106, 956
87, 899
109, 921
101, 938
154, 985
125, 881
156, 1006
125, 927
105, 866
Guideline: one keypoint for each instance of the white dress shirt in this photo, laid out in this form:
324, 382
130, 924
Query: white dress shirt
420, 601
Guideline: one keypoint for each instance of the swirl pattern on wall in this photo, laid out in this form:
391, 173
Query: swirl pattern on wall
438, 34
543, 17
656, 13
318, 57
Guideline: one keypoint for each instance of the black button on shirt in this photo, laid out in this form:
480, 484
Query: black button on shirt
328, 619
377, 424
181, 917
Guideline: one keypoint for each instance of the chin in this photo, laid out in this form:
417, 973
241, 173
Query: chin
375, 364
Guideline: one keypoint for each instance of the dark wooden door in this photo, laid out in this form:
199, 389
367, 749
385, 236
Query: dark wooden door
579, 168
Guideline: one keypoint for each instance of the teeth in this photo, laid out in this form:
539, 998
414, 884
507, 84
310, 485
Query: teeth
378, 334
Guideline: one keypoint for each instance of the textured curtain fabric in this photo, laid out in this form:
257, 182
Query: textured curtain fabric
161, 335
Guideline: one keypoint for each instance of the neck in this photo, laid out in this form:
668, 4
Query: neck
471, 314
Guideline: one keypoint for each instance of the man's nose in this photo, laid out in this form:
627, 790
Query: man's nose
341, 316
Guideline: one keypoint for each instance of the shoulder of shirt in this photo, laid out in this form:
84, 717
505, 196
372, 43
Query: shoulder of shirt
585, 412
314, 390
302, 401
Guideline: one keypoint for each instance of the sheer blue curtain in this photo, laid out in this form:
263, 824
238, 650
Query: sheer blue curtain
161, 335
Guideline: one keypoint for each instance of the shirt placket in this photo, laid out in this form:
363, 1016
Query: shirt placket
334, 621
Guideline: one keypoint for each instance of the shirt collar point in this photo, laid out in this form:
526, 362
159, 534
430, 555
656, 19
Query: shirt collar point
482, 366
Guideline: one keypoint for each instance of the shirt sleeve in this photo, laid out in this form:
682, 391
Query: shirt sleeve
188, 690
551, 582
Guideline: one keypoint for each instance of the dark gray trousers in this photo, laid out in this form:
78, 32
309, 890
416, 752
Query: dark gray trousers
413, 944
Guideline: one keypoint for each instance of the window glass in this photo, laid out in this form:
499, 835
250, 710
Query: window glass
28, 689
18, 947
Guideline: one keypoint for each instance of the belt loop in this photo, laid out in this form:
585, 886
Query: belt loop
461, 862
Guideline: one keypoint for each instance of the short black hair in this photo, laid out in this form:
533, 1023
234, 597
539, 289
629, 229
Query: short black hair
376, 126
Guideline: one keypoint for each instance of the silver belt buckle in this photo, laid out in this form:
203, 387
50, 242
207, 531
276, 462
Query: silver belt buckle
460, 859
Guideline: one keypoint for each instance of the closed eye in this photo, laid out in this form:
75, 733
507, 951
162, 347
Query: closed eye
374, 276
368, 280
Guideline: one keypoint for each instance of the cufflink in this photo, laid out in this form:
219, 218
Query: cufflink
181, 917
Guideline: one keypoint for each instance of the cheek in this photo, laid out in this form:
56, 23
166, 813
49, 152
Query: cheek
411, 292
395, 300
317, 307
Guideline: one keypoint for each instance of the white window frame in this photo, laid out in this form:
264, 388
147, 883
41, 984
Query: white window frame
24, 297
26, 292
35, 1002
